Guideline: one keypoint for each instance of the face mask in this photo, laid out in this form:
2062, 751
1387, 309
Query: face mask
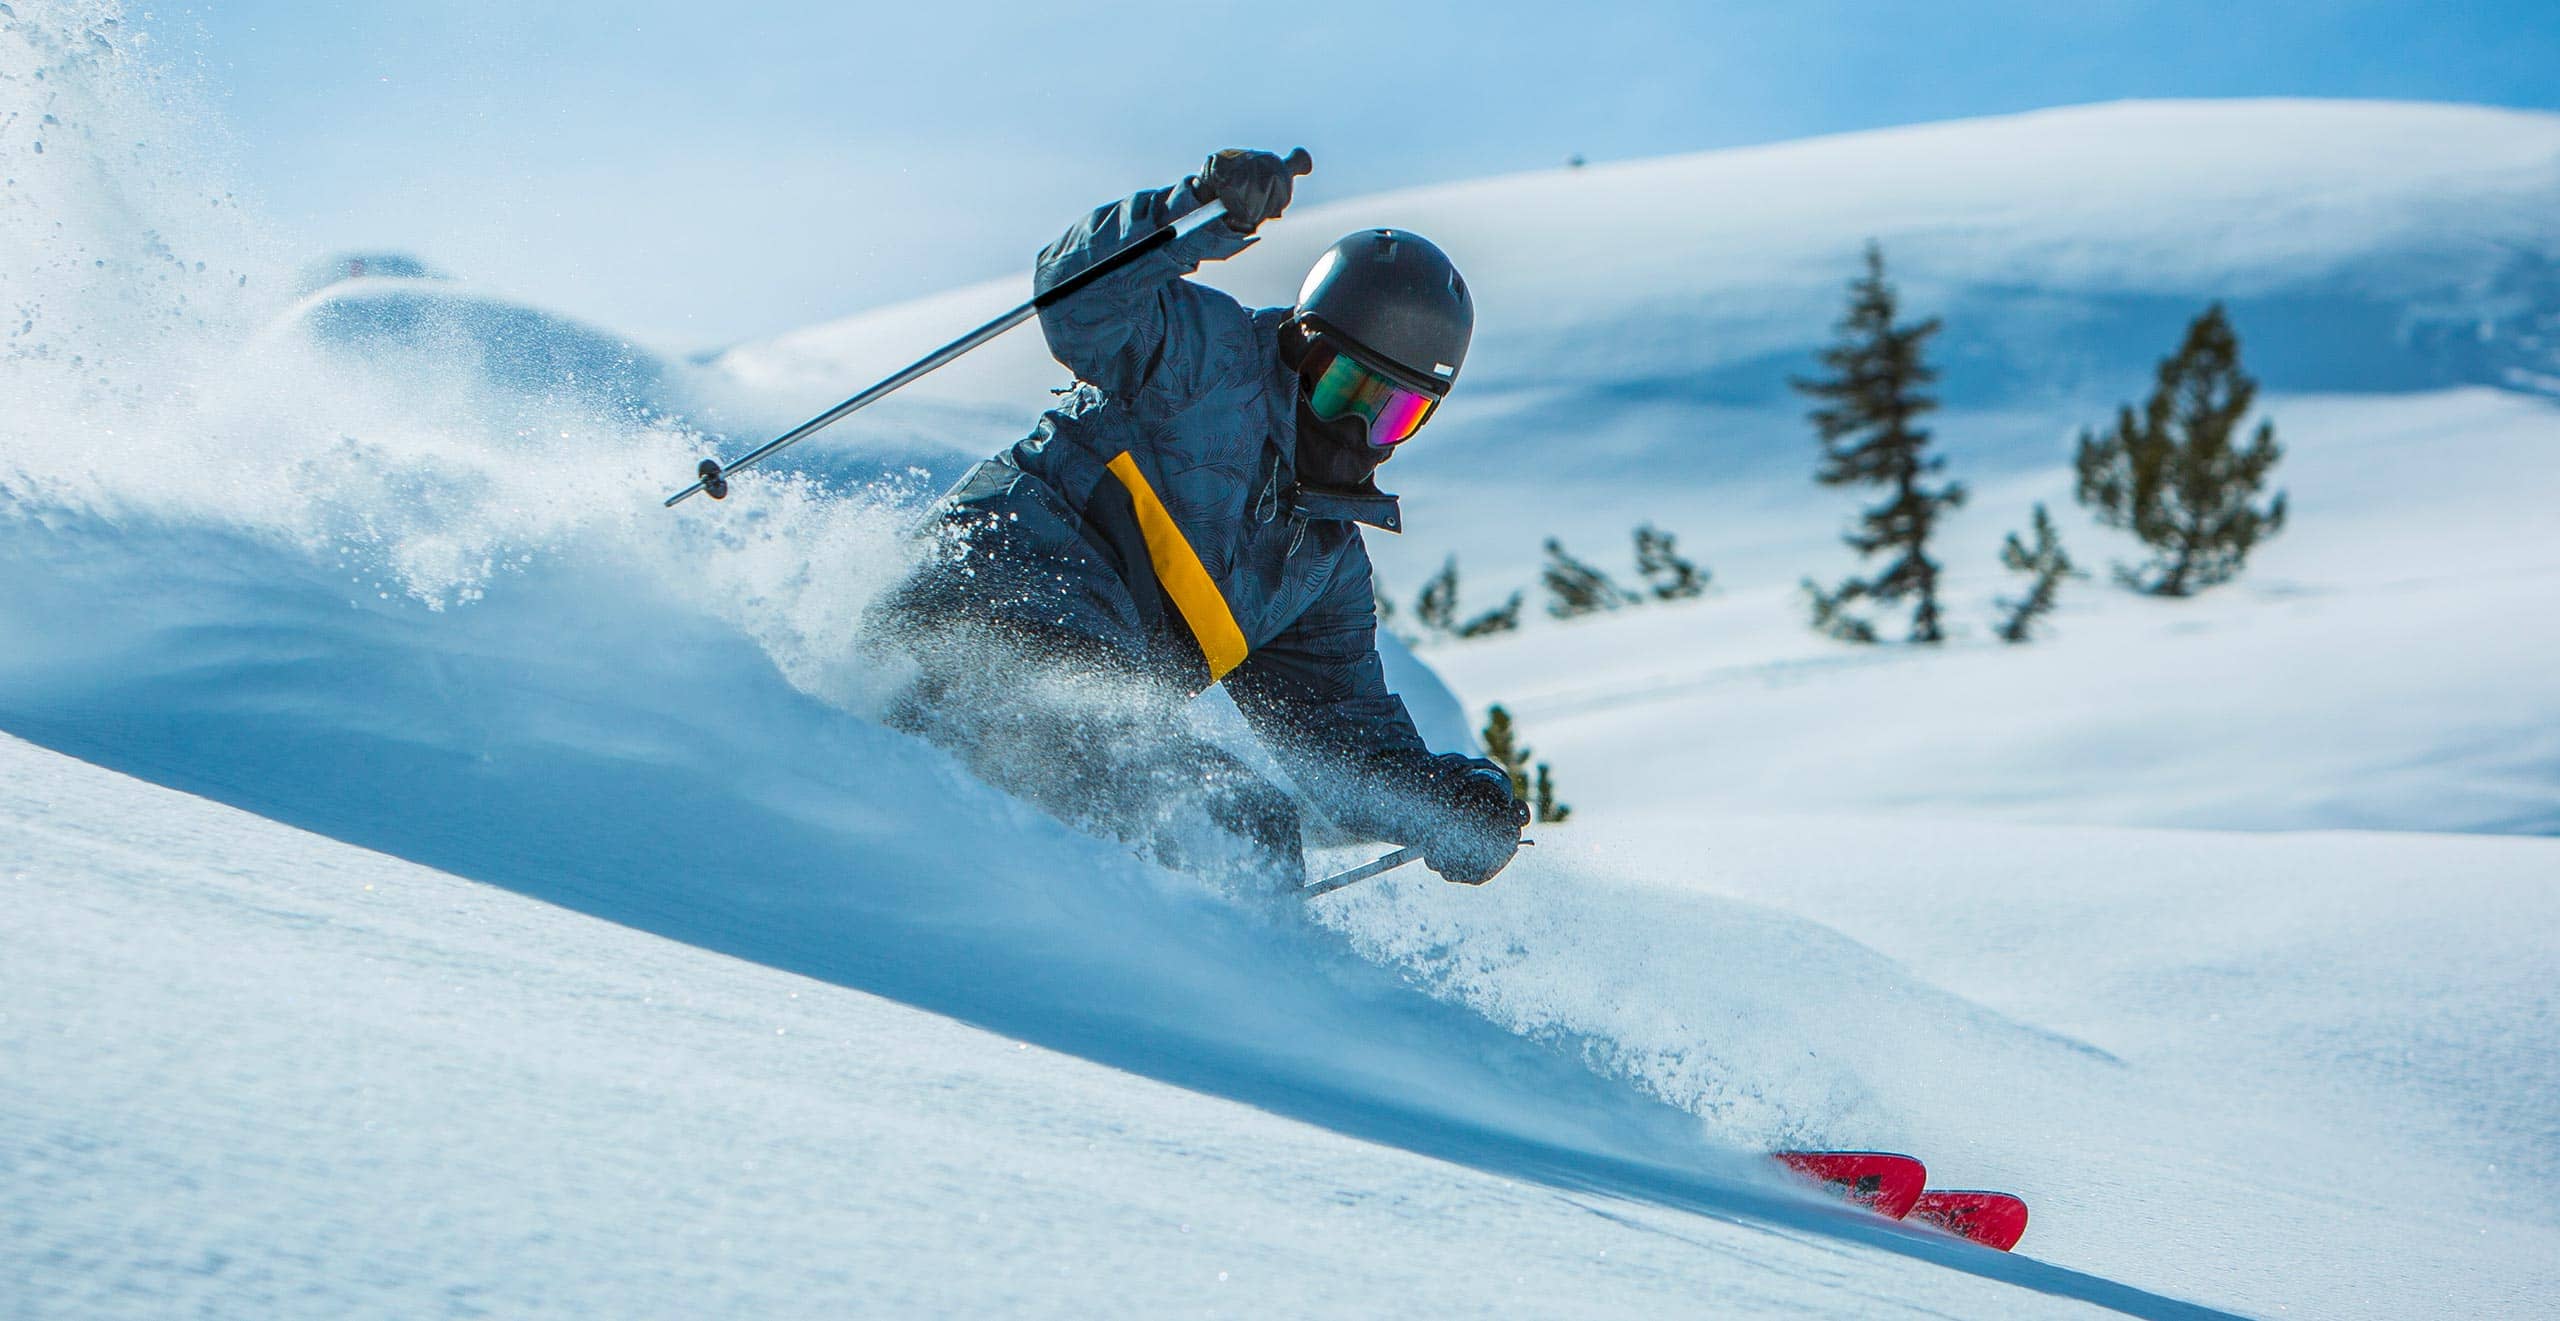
1335, 453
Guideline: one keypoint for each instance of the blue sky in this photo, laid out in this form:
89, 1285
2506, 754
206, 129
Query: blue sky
699, 173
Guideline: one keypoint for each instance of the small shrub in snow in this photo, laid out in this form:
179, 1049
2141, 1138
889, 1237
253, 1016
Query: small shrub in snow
1503, 618
2046, 565
1575, 588
1831, 616
1542, 799
1865, 421
1659, 561
2172, 475
1437, 608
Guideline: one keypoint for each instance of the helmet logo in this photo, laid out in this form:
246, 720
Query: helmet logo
1443, 369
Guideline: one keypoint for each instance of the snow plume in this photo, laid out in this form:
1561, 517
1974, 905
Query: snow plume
154, 375
122, 261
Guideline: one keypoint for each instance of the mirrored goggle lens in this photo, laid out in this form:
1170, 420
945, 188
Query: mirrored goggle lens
1393, 412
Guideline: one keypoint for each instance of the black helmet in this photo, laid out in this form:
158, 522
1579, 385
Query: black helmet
1393, 300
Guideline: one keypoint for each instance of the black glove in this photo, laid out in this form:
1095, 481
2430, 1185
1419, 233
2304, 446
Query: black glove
1254, 184
1479, 830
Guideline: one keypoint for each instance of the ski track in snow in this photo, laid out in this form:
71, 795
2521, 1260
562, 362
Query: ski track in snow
395, 600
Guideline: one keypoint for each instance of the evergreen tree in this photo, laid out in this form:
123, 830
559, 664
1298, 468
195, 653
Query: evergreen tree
2172, 475
1503, 618
1658, 560
1866, 422
1501, 744
1575, 588
1543, 802
2047, 565
1436, 608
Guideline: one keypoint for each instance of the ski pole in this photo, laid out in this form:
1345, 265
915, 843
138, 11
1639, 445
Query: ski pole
1366, 870
712, 478
1360, 873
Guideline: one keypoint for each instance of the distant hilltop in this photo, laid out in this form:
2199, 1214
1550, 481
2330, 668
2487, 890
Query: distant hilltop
2361, 245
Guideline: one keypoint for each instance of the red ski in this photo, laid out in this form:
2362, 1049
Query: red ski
1880, 1181
1995, 1220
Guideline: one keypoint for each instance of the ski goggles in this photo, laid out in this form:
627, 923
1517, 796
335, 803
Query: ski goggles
1346, 385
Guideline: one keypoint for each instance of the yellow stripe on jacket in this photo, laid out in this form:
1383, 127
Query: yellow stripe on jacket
1185, 578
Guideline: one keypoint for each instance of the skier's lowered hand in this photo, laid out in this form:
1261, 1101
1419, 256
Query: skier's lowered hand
1482, 830
1255, 185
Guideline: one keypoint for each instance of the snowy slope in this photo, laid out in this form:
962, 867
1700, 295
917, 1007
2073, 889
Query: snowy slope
257, 1072
424, 617
2385, 663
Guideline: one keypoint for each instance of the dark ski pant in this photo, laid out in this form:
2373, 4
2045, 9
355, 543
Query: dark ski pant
1098, 744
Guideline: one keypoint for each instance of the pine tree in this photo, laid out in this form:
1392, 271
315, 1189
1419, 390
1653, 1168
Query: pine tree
1868, 439
1436, 607
1542, 801
1501, 744
1658, 560
1575, 588
1538, 790
2172, 476
2047, 566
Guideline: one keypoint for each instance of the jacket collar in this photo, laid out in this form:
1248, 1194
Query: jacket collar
1366, 504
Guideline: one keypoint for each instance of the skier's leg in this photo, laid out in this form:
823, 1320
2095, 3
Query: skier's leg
1065, 723
1251, 825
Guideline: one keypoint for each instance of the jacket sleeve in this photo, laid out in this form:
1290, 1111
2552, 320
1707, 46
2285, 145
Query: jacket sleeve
1317, 696
1142, 325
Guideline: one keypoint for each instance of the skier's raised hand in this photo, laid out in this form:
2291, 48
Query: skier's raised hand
1482, 830
1255, 185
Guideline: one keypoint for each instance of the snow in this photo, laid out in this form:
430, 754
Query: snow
258, 1072
2384, 664
444, 881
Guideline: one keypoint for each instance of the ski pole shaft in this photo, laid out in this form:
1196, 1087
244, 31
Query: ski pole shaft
1360, 873
712, 478
1366, 870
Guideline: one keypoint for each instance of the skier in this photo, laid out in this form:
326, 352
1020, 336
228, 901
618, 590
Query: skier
1187, 515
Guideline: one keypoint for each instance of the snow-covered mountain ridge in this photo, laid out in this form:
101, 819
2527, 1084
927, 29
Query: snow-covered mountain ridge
2371, 245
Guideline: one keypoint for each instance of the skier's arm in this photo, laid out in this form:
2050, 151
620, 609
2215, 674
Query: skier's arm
1123, 329
1317, 696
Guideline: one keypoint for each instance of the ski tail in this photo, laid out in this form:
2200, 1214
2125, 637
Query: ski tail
1881, 1181
1994, 1220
